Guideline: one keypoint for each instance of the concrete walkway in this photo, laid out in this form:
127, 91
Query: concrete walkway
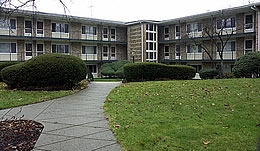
72, 123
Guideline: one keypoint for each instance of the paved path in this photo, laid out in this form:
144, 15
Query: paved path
72, 123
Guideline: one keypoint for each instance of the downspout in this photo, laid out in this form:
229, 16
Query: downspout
257, 29
142, 41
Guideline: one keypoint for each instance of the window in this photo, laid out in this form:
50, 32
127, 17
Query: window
150, 27
28, 26
177, 50
105, 51
150, 46
89, 30
89, 49
60, 48
39, 27
113, 52
7, 23
150, 56
248, 46
195, 27
113, 34
28, 49
166, 52
177, 32
39, 49
57, 27
92, 68
230, 46
249, 22
166, 33
226, 23
7, 47
193, 48
105, 33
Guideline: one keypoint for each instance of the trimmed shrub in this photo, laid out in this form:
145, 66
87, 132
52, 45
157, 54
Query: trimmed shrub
148, 71
114, 69
5, 64
247, 66
208, 73
48, 71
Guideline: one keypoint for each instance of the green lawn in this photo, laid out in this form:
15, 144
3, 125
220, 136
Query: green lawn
198, 115
14, 98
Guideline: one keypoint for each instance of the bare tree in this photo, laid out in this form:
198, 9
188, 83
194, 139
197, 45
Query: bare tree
217, 31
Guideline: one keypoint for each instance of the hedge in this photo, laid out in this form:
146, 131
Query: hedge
114, 69
48, 71
6, 64
208, 73
156, 71
247, 66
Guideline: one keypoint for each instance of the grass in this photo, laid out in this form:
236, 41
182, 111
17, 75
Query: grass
14, 98
186, 115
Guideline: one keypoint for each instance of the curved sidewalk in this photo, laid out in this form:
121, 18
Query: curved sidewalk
72, 123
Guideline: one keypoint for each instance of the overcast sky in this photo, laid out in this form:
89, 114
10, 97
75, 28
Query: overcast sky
132, 10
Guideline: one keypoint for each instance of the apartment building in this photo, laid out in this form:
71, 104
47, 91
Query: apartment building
192, 40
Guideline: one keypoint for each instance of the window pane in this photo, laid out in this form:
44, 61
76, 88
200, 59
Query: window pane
249, 44
53, 27
83, 30
13, 47
54, 49
13, 23
28, 24
249, 19
4, 48
83, 49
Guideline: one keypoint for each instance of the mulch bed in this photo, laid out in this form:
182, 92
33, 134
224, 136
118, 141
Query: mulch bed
19, 135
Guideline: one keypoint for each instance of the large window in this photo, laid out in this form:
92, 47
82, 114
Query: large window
166, 52
194, 27
230, 46
60, 48
193, 48
92, 68
248, 45
89, 49
166, 33
28, 26
226, 23
177, 32
39, 50
113, 34
177, 51
105, 33
7, 24
105, 51
89, 30
59, 27
39, 27
113, 52
7, 47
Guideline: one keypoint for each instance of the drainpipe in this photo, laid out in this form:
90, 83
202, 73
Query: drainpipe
258, 26
142, 41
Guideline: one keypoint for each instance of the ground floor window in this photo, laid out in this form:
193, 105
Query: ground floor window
7, 47
166, 52
60, 48
92, 68
39, 49
248, 46
89, 49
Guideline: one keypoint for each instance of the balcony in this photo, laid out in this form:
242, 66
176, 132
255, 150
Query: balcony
194, 56
89, 57
227, 55
9, 57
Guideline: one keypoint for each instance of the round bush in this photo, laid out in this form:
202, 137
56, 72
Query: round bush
208, 73
5, 64
156, 71
48, 71
247, 66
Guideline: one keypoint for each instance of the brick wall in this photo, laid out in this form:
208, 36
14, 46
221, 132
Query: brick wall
47, 28
75, 30
134, 40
